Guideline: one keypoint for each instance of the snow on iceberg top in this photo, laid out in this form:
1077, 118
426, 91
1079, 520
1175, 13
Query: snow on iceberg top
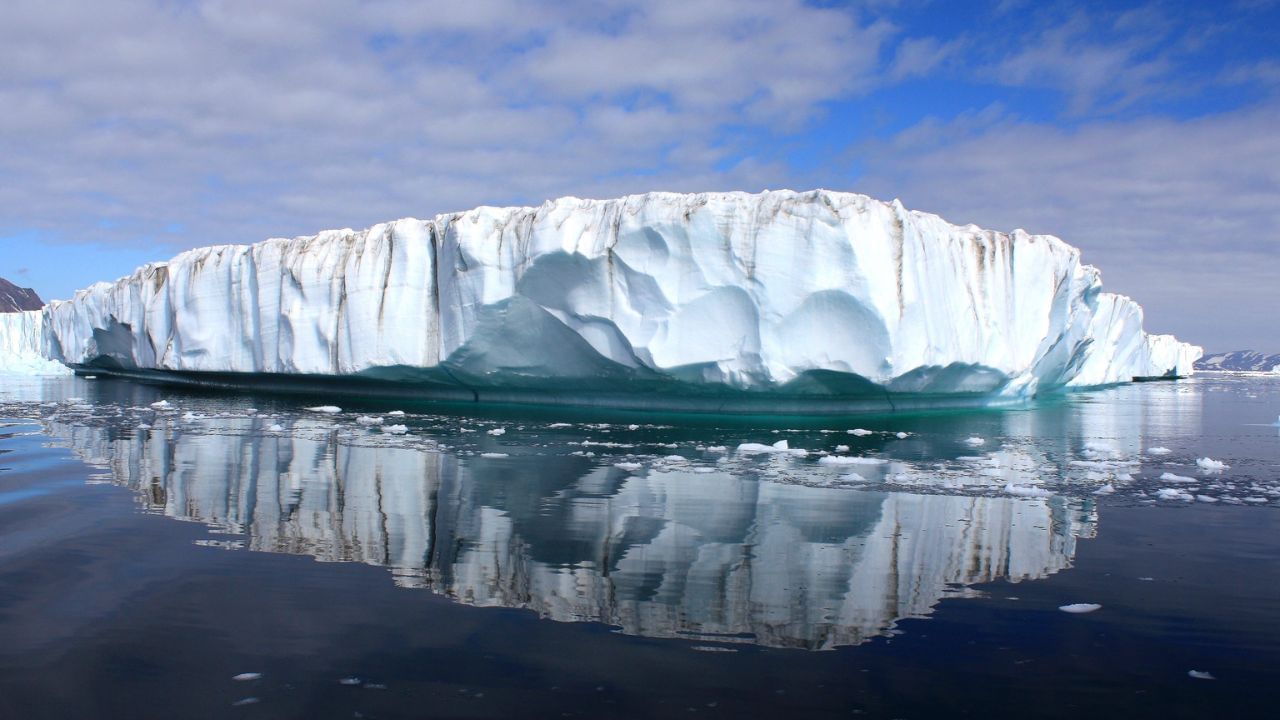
815, 293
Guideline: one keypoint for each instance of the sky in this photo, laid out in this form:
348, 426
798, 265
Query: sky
1145, 133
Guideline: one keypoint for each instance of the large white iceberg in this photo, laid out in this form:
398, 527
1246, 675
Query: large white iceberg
815, 300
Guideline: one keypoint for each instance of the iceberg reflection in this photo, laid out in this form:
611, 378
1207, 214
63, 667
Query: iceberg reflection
671, 552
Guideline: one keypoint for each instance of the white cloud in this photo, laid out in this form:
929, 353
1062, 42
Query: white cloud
241, 120
1181, 215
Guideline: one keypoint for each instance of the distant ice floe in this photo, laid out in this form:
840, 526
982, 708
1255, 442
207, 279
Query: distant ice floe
327, 409
1211, 465
761, 449
1078, 608
1200, 675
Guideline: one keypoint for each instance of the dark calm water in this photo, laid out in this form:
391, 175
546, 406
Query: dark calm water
549, 565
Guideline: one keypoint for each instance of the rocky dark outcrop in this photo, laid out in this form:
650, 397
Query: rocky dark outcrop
17, 299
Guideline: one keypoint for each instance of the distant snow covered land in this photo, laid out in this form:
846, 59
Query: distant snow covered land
1241, 361
814, 301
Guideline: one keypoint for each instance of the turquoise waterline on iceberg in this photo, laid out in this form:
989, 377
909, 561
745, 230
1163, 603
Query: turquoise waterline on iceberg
778, 296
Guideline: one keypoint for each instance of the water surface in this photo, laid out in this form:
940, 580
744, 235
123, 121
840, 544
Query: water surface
513, 564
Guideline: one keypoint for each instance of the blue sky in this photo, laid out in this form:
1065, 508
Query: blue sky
1142, 132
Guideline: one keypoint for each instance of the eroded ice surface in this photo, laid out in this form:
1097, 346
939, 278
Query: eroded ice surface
810, 295
23, 345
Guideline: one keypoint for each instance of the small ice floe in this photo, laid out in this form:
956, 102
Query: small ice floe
902, 435
368, 420
1078, 608
247, 676
350, 681
1173, 494
628, 466
558, 426
1200, 675
189, 416
1158, 450
1170, 477
161, 404
498, 431
1211, 465
276, 428
859, 432
842, 448
717, 449
1206, 499
395, 429
779, 447
493, 455
246, 701
143, 426
975, 441
853, 478
396, 413
633, 427
848, 460
1105, 489
327, 409
1026, 491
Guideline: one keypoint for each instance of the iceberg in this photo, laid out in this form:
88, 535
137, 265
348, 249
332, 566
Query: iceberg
22, 345
780, 301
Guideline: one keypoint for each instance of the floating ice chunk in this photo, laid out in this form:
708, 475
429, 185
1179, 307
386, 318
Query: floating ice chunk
143, 426
1026, 491
396, 413
246, 676
276, 428
246, 701
1080, 608
1200, 675
859, 432
557, 426
717, 449
1105, 489
349, 681
779, 447
903, 436
1206, 499
1170, 477
367, 420
842, 448
1158, 450
328, 409
975, 441
847, 460
853, 477
633, 427
498, 431
493, 455
1174, 494
161, 404
395, 429
628, 466
1211, 465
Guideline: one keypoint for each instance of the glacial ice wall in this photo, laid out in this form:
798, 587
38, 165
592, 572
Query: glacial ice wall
22, 345
815, 293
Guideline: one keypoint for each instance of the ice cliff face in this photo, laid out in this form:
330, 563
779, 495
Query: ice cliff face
783, 293
22, 345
